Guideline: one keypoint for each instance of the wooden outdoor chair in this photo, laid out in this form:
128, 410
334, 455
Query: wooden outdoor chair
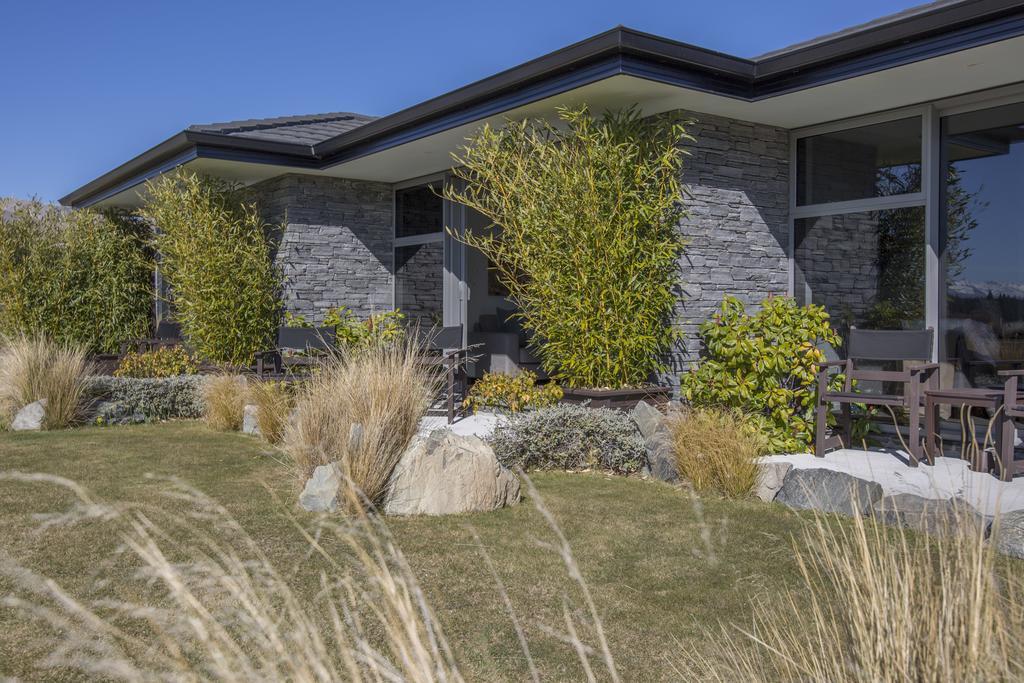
878, 345
296, 351
445, 351
1013, 410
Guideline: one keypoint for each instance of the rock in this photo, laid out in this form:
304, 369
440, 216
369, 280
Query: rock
30, 418
250, 421
828, 491
1008, 534
770, 476
928, 515
321, 491
445, 473
661, 455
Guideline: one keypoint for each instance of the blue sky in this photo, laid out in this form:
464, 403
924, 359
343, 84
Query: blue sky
88, 85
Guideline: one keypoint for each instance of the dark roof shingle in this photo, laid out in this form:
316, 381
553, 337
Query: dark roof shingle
303, 130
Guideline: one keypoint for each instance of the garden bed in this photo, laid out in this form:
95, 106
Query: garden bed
617, 399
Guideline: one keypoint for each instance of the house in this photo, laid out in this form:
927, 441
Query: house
878, 171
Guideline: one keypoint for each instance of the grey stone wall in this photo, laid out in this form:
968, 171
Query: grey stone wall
336, 246
738, 223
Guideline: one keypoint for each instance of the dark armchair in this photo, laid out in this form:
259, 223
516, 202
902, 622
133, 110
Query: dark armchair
445, 351
897, 346
167, 333
296, 350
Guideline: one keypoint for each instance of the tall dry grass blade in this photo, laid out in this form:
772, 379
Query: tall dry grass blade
361, 409
35, 368
882, 604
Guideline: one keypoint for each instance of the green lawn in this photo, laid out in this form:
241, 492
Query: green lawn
658, 584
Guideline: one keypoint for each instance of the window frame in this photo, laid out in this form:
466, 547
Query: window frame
930, 196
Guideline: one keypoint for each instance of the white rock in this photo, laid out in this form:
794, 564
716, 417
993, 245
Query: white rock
30, 418
445, 473
770, 476
321, 491
250, 420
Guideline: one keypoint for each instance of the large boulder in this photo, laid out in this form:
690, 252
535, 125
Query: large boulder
445, 473
30, 418
1008, 534
828, 491
943, 517
661, 455
770, 477
321, 491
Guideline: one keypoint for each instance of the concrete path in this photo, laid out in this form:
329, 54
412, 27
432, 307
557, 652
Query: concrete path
948, 478
480, 424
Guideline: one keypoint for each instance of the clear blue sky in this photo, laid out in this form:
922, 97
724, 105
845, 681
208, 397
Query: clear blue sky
88, 84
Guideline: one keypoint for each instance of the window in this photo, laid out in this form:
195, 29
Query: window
879, 160
866, 268
981, 289
419, 256
418, 211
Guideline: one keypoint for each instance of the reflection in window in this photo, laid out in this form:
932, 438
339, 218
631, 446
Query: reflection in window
418, 211
982, 288
418, 283
860, 163
867, 269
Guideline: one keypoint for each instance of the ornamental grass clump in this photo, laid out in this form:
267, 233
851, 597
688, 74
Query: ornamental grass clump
764, 364
878, 604
588, 244
215, 254
717, 450
224, 397
361, 409
274, 403
36, 368
76, 277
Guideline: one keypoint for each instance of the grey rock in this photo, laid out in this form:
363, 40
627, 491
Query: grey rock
1008, 534
661, 455
770, 477
321, 491
445, 473
30, 418
928, 515
250, 420
828, 491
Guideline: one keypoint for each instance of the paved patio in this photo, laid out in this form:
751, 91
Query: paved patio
481, 424
948, 478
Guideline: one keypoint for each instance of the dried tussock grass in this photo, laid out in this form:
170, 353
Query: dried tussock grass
879, 604
225, 396
35, 368
360, 410
717, 450
214, 607
274, 403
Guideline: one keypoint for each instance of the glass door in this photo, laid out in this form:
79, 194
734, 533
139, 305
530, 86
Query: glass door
982, 279
420, 255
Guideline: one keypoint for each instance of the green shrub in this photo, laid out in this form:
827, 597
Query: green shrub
129, 400
513, 393
588, 246
168, 361
387, 327
216, 257
75, 277
764, 364
717, 450
570, 437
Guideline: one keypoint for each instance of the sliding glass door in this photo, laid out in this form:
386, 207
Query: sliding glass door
981, 283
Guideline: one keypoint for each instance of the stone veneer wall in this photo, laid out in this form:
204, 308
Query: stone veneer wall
336, 248
738, 223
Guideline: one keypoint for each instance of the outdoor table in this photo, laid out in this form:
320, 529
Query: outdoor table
991, 399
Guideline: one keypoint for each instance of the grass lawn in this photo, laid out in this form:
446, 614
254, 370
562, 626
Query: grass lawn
664, 569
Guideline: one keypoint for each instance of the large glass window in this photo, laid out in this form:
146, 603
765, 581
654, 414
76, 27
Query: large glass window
418, 211
418, 283
982, 282
867, 268
879, 160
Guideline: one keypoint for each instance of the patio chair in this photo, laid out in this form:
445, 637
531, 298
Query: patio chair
445, 351
1013, 410
296, 350
168, 333
897, 346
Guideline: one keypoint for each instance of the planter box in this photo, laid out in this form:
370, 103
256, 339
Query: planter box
617, 399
